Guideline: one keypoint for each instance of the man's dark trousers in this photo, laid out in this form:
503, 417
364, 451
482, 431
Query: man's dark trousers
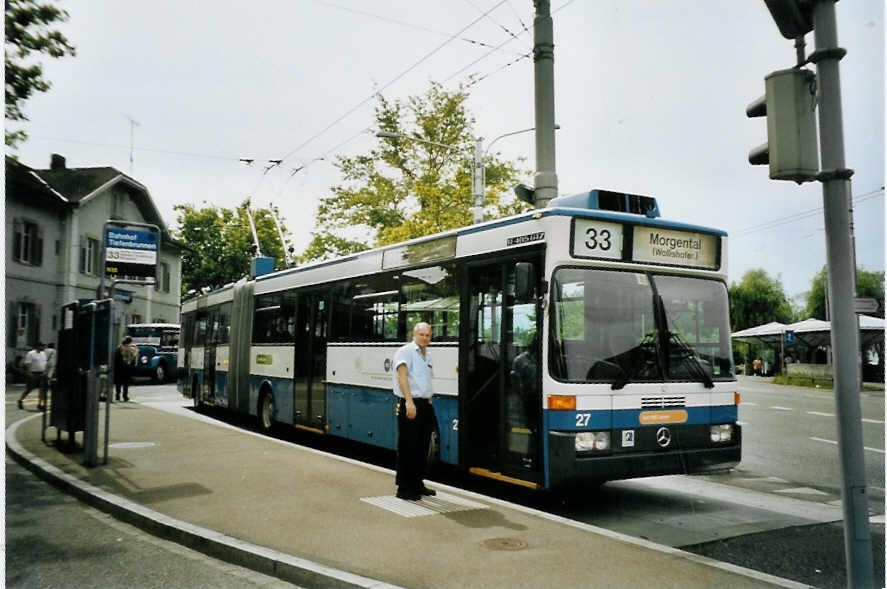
414, 435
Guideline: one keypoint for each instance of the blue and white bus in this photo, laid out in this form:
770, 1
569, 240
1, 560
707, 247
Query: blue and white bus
158, 345
589, 340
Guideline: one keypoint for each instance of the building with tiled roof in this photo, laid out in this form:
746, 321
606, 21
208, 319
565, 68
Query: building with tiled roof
54, 223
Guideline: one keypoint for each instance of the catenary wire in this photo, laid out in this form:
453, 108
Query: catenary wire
399, 22
389, 83
801, 215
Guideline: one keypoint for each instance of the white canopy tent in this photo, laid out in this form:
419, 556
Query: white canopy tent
811, 332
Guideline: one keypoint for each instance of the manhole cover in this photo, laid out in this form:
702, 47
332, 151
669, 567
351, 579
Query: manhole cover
504, 544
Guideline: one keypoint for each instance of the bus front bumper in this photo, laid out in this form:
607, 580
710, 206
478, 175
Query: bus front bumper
566, 465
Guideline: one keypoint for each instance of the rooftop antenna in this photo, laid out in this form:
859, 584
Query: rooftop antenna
132, 125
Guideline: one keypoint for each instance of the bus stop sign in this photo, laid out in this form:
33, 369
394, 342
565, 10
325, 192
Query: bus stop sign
131, 252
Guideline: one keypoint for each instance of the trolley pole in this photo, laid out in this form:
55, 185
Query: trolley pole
543, 56
841, 257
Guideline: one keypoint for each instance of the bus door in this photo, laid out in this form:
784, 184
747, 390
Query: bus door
309, 386
500, 378
209, 355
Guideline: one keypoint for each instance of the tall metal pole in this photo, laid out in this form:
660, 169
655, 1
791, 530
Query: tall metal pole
477, 183
841, 257
543, 56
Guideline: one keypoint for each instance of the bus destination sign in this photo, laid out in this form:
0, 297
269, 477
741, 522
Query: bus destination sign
594, 238
675, 248
131, 252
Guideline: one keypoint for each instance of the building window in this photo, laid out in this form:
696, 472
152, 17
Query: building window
89, 256
27, 245
135, 318
27, 324
164, 277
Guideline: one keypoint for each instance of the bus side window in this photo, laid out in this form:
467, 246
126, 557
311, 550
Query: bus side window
430, 295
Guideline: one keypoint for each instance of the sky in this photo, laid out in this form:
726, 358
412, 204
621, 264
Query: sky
650, 97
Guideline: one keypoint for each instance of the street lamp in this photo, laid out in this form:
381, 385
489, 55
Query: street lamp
478, 172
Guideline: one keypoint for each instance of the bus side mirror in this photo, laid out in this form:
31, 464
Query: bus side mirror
524, 281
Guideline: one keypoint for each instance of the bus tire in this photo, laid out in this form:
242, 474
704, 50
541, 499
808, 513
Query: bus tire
159, 374
265, 412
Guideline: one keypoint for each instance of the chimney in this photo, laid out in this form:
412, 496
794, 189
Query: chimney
57, 162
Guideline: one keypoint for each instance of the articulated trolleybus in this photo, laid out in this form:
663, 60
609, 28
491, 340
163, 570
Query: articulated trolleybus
586, 341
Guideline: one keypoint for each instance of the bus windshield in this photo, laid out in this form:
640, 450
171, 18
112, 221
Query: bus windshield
151, 335
621, 327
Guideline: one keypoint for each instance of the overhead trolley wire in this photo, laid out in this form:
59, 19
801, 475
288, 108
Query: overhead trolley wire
498, 47
490, 18
399, 22
391, 82
773, 223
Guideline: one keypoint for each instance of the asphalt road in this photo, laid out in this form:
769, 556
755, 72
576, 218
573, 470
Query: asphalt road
791, 433
55, 541
779, 512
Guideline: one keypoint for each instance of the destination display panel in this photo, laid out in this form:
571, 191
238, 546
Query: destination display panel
592, 238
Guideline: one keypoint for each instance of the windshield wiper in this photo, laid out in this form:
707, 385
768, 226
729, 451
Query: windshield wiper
691, 360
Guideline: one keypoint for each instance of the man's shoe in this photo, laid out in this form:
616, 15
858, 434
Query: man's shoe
428, 492
408, 495
20, 405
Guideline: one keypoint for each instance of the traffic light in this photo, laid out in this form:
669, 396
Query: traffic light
793, 17
789, 103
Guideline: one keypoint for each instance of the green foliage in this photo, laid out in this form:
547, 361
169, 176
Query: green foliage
220, 241
868, 285
758, 299
403, 188
27, 25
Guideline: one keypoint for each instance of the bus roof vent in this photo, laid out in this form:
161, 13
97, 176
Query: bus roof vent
607, 200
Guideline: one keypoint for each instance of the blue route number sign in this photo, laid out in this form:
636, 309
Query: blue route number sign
131, 252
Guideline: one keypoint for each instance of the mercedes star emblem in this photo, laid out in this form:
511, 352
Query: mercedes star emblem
663, 437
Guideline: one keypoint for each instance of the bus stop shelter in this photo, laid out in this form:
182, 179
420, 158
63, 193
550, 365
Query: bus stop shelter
803, 339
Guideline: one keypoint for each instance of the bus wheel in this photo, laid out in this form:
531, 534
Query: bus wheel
266, 412
159, 376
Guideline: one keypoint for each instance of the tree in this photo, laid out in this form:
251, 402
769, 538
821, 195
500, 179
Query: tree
868, 284
404, 188
220, 240
758, 299
27, 33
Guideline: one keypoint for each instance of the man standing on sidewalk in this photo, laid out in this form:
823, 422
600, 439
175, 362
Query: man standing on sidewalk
35, 365
415, 413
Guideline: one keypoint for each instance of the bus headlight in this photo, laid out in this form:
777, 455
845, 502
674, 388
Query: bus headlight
588, 441
144, 359
721, 433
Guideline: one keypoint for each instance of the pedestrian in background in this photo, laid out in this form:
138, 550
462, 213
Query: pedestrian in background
50, 369
124, 360
415, 413
35, 367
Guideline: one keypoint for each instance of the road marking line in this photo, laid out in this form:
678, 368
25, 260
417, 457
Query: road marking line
702, 489
766, 479
872, 421
820, 414
878, 450
778, 408
801, 491
748, 403
824, 440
